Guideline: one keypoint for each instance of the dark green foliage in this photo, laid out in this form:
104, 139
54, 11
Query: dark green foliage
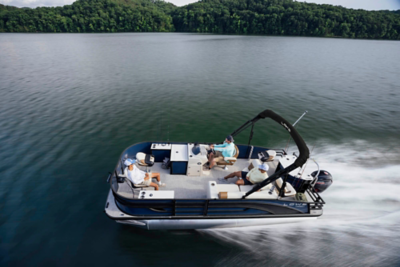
271, 17
285, 17
90, 16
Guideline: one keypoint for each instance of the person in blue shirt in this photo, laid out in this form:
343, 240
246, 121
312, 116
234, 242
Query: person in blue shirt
227, 149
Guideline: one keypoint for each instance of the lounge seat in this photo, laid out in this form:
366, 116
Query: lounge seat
233, 191
255, 162
213, 189
263, 194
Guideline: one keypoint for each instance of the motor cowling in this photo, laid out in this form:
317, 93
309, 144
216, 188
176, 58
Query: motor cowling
324, 180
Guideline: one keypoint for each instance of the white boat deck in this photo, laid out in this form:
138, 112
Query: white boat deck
189, 187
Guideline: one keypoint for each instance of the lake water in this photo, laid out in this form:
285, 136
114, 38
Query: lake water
70, 103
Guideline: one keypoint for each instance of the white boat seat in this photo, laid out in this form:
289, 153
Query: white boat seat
289, 190
213, 189
144, 159
263, 194
247, 188
254, 163
267, 155
230, 160
272, 154
233, 191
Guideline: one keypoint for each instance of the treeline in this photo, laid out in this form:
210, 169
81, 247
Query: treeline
285, 17
90, 16
270, 17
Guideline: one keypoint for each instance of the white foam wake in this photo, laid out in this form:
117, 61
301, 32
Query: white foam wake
361, 216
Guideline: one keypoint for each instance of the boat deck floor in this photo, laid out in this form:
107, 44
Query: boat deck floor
190, 187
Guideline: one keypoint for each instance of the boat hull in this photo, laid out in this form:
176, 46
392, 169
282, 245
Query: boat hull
183, 224
117, 215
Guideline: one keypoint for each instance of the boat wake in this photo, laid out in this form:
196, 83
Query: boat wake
360, 224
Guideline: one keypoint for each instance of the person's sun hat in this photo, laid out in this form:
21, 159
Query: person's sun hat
263, 167
128, 162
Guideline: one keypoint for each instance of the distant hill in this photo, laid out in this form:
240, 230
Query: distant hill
285, 17
91, 16
267, 17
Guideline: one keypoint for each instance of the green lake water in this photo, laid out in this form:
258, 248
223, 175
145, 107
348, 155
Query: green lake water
71, 103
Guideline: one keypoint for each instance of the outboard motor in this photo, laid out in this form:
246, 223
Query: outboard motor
323, 182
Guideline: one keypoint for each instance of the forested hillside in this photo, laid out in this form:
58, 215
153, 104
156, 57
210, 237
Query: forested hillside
269, 17
285, 17
90, 16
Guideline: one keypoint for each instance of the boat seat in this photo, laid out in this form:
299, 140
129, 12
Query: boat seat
253, 163
289, 190
214, 189
268, 155
144, 159
272, 155
230, 160
233, 191
247, 188
263, 194
136, 186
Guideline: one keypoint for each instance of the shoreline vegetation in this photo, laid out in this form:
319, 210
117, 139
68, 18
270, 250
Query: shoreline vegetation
253, 17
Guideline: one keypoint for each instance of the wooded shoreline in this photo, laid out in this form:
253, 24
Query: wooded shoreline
253, 17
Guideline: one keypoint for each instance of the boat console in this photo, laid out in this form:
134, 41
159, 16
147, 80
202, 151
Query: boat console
186, 158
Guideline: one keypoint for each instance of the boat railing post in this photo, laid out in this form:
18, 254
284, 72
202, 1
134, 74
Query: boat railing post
250, 138
251, 152
300, 118
287, 146
316, 176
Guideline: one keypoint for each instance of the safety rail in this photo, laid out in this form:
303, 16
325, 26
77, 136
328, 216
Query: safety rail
318, 201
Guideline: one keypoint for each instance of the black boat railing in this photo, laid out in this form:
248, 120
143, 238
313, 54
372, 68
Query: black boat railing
317, 199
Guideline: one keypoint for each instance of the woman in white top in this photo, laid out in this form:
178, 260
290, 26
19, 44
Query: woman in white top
139, 177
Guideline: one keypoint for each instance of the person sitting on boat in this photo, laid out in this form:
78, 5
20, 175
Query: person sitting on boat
227, 149
254, 176
139, 177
